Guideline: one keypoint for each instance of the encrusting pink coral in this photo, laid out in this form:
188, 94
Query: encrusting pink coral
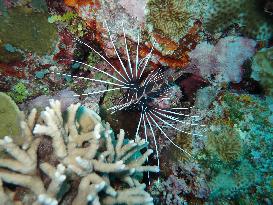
223, 60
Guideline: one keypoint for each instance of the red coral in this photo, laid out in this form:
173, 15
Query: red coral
13, 70
65, 55
191, 85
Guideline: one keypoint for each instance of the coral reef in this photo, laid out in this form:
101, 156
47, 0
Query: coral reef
9, 117
224, 60
98, 167
66, 96
249, 14
71, 21
207, 88
262, 69
8, 55
134, 7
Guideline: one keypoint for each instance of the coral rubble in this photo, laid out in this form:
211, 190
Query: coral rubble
186, 180
107, 169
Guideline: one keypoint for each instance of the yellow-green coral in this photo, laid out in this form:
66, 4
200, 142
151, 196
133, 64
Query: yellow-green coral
249, 14
185, 142
9, 116
226, 143
262, 67
28, 30
172, 18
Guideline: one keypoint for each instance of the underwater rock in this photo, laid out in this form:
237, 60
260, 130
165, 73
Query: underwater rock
262, 69
135, 8
27, 30
205, 96
231, 184
173, 28
66, 96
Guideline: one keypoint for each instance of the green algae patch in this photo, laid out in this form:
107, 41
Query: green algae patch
19, 92
28, 30
9, 117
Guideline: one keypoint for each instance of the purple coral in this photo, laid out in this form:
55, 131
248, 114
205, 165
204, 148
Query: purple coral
135, 8
187, 180
223, 60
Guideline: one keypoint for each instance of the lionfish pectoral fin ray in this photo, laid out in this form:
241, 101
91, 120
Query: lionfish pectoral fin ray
139, 122
137, 58
175, 113
146, 62
90, 79
168, 124
95, 68
125, 80
121, 63
146, 139
151, 128
176, 119
128, 56
97, 92
168, 137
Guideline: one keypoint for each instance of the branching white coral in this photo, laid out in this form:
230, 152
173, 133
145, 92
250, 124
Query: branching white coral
91, 154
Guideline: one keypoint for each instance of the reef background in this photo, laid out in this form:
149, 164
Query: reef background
218, 53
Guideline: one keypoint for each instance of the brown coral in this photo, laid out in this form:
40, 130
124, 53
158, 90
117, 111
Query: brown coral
169, 17
225, 143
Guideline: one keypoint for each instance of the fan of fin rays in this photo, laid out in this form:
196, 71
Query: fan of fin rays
139, 92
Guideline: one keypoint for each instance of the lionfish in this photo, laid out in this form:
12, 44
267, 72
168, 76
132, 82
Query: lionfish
139, 91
